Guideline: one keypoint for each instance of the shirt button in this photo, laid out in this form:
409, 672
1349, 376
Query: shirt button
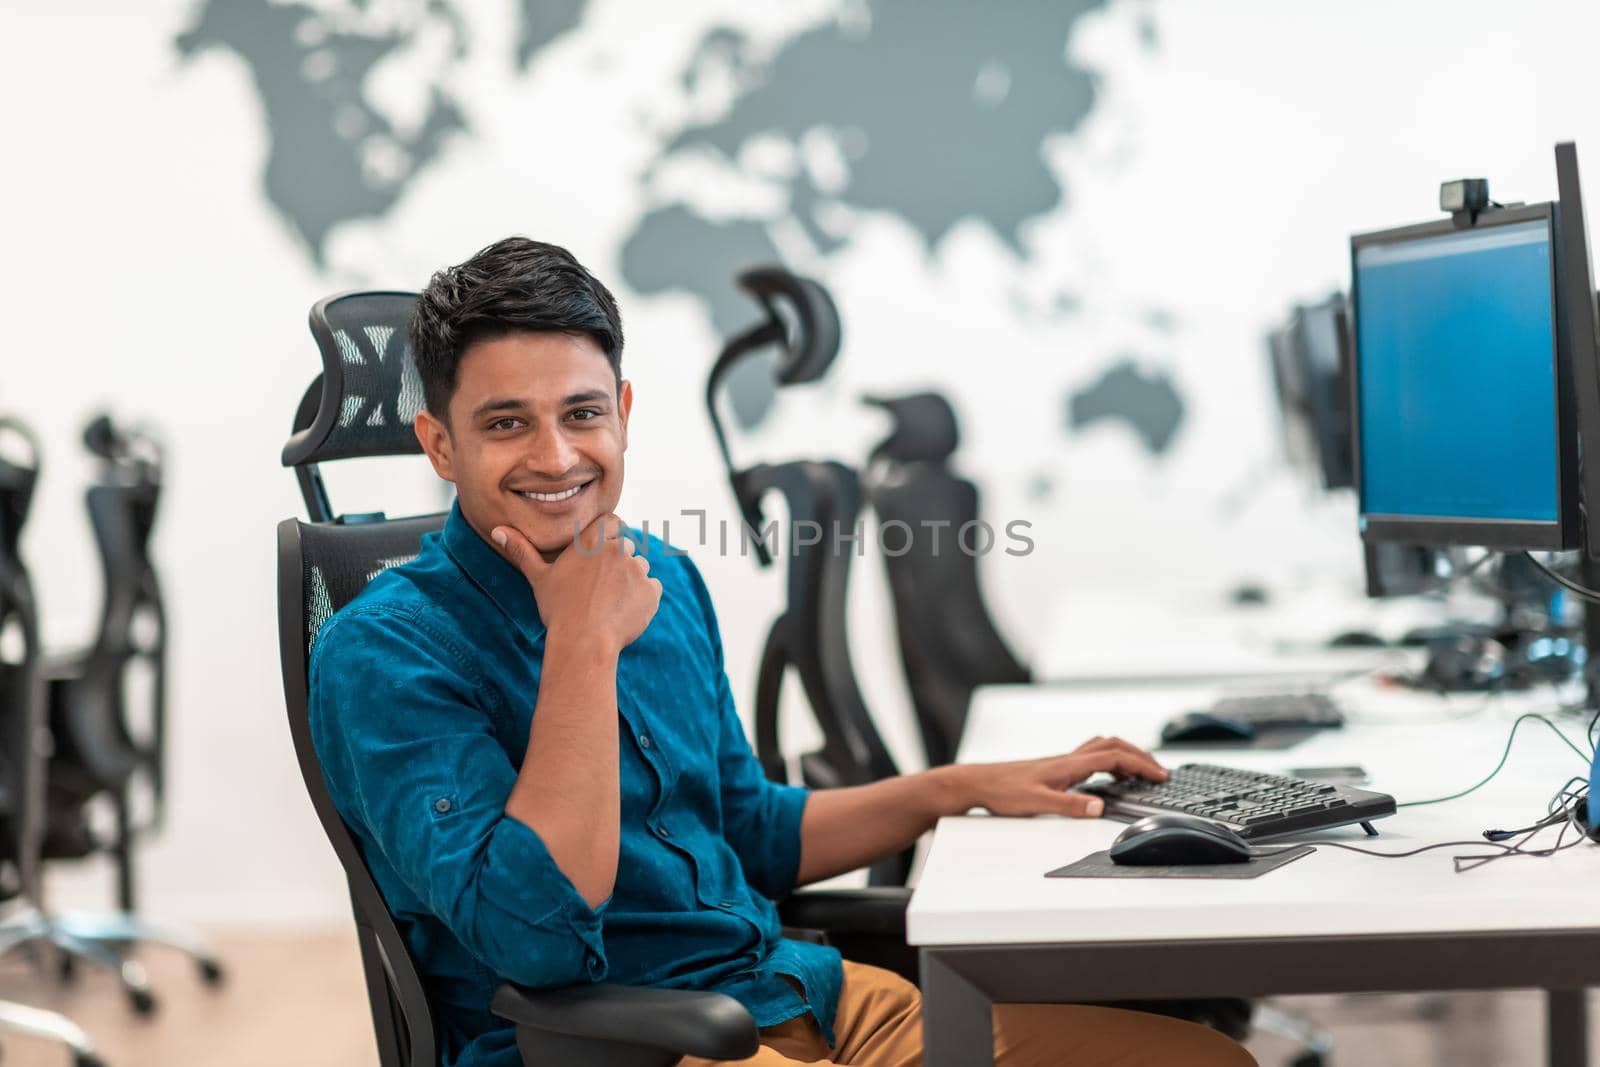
441, 805
644, 740
662, 831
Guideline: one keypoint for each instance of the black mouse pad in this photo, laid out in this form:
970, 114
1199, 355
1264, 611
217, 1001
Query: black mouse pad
1099, 865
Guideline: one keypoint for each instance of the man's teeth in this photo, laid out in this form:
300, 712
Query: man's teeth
553, 498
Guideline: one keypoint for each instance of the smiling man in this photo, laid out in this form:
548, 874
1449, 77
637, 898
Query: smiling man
530, 730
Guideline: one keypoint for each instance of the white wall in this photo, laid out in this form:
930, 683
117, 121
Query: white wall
140, 269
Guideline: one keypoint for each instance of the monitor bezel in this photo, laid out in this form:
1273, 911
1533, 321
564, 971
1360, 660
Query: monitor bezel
1508, 534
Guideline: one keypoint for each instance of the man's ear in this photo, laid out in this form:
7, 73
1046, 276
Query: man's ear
624, 405
434, 436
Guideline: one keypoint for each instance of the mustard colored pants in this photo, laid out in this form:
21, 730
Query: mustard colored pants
879, 1024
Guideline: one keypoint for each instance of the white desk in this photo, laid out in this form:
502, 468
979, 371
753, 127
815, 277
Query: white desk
991, 927
1117, 638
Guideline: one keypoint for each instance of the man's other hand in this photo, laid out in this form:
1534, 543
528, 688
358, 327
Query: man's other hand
598, 589
1044, 786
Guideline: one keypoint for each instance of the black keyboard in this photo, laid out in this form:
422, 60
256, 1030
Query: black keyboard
1256, 805
1277, 711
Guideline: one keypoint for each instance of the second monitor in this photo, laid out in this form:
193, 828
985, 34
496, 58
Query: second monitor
1463, 424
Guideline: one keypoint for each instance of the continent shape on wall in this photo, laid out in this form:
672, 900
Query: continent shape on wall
940, 109
1148, 403
334, 155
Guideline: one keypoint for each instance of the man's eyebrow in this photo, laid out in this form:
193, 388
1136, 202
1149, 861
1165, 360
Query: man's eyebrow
500, 403
587, 397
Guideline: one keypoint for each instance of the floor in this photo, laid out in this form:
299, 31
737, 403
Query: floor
298, 1000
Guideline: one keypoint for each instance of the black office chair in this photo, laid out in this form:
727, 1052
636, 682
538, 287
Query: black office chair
361, 406
22, 750
809, 637
95, 753
947, 653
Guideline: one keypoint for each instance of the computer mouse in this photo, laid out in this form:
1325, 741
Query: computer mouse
1356, 639
1249, 593
1202, 727
1176, 840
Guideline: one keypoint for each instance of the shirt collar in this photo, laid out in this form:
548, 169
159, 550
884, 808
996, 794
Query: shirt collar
491, 572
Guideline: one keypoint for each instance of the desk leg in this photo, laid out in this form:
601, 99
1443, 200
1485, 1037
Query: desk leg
957, 1017
1567, 1012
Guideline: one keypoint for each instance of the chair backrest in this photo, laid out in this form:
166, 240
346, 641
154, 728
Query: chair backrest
21, 686
799, 319
364, 401
321, 568
133, 626
948, 652
811, 636
361, 405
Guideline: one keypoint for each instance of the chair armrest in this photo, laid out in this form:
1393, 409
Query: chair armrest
868, 910
634, 1022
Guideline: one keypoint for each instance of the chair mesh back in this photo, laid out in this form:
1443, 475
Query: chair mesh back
370, 389
340, 561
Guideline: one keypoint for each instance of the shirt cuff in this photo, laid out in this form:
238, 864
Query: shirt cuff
523, 874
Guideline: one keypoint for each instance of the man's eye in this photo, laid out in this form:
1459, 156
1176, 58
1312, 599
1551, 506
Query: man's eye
584, 414
507, 423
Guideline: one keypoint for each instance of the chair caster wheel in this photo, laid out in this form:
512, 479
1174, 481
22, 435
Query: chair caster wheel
143, 1002
1308, 1059
67, 968
211, 972
85, 1060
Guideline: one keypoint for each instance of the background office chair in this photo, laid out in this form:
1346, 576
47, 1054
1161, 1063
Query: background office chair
362, 406
866, 924
21, 749
946, 653
95, 754
810, 635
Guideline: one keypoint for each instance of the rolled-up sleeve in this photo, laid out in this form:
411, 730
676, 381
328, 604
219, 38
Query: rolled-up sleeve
760, 818
411, 758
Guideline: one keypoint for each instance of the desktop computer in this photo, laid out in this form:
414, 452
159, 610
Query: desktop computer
1474, 390
1309, 371
1464, 429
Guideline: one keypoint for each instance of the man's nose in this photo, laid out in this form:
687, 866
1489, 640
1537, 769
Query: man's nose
552, 453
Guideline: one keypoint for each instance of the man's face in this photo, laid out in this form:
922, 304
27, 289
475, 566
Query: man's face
538, 426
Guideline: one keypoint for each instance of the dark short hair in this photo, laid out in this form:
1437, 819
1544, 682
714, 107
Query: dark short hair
513, 285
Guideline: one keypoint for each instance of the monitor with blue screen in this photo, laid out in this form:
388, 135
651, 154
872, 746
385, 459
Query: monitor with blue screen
1462, 424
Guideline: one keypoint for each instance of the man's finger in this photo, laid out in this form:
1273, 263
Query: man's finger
519, 551
1135, 764
1078, 805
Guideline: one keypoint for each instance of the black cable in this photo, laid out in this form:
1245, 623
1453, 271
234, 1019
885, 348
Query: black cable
1410, 852
1582, 592
1561, 845
1504, 756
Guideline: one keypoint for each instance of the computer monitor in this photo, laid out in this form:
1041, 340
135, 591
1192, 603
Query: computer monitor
1464, 431
1310, 368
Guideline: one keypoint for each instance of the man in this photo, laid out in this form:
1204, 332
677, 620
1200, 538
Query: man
531, 733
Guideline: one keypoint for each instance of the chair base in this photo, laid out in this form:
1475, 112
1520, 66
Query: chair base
52, 1026
103, 942
121, 930
33, 928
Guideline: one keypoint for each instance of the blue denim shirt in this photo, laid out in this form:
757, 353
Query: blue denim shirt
422, 695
